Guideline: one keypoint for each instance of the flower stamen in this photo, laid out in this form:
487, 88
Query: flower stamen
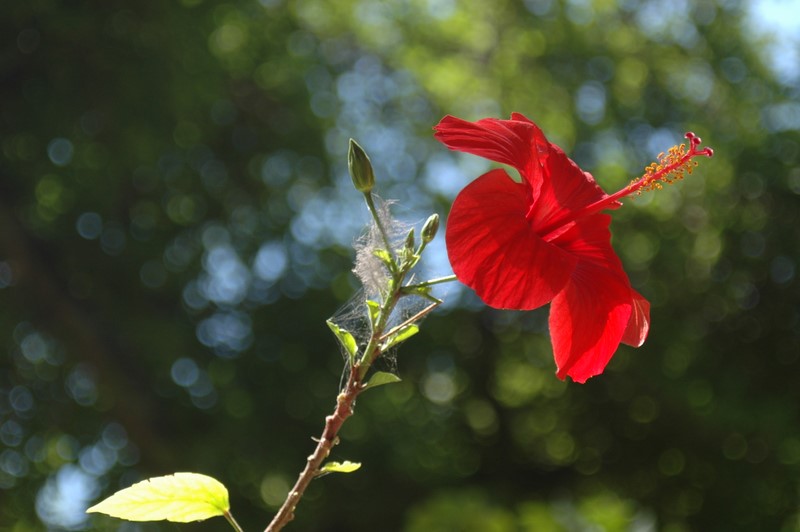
670, 167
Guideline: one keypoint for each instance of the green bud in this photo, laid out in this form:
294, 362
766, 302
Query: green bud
410, 240
430, 228
360, 168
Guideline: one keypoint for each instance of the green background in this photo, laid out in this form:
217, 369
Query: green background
176, 222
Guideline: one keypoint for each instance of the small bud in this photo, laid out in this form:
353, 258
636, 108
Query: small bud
410, 240
360, 168
430, 228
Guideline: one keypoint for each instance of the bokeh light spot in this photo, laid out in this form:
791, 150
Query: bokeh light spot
184, 372
89, 225
671, 462
60, 151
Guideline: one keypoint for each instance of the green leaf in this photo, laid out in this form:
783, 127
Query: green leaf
380, 378
346, 339
386, 258
400, 336
181, 498
409, 259
422, 291
340, 467
374, 311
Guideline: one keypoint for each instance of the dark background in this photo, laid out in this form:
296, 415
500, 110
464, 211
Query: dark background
176, 222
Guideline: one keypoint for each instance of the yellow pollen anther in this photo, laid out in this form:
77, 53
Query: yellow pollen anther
671, 166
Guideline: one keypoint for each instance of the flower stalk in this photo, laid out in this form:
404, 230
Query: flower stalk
378, 222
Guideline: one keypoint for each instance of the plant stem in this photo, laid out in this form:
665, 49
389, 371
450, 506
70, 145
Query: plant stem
329, 438
438, 280
378, 222
232, 522
413, 319
357, 373
344, 409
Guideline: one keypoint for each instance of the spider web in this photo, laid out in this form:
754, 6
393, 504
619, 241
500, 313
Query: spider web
354, 317
369, 269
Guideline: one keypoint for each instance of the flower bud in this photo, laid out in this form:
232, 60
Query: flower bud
410, 240
430, 228
360, 168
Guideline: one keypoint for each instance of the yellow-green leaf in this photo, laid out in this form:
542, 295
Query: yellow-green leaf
340, 467
401, 335
380, 378
385, 258
374, 311
346, 339
181, 498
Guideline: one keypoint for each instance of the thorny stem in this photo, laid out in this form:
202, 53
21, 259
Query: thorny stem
345, 400
329, 438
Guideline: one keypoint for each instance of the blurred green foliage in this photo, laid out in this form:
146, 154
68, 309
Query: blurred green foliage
175, 227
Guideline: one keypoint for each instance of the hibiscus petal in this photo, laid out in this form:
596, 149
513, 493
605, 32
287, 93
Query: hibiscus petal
565, 189
494, 250
639, 323
590, 317
515, 244
590, 240
587, 321
518, 143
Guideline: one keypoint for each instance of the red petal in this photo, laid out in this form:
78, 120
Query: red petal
590, 317
494, 251
517, 142
565, 188
587, 321
590, 240
558, 185
639, 323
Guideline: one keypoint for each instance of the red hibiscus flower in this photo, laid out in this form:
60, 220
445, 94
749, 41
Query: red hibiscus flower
521, 245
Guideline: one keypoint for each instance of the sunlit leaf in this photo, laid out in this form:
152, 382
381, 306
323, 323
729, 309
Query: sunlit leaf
181, 498
409, 259
422, 291
346, 339
386, 258
400, 336
374, 311
340, 467
380, 378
